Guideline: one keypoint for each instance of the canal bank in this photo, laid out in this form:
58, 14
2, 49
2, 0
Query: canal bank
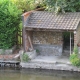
39, 62
10, 60
50, 63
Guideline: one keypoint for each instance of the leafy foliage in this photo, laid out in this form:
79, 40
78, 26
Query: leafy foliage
75, 60
56, 5
74, 57
73, 6
63, 5
40, 4
9, 21
75, 50
24, 5
25, 57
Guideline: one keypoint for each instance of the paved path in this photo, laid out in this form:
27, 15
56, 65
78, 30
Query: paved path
52, 59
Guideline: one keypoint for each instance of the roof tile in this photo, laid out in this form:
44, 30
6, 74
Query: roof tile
48, 20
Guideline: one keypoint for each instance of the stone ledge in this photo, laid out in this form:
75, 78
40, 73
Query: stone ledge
8, 51
32, 54
7, 56
49, 66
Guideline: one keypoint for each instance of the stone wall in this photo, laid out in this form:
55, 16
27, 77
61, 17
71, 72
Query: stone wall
48, 43
47, 37
48, 50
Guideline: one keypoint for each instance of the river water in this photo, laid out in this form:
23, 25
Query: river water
28, 74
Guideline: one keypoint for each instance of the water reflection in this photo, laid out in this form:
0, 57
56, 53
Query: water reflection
10, 74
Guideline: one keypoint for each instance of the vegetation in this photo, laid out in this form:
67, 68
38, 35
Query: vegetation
55, 5
40, 4
24, 5
63, 5
9, 23
74, 58
10, 14
25, 57
75, 50
10, 20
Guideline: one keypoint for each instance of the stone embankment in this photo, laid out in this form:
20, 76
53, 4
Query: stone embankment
51, 63
10, 60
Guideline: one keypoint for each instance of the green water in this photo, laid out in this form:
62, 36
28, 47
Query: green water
11, 74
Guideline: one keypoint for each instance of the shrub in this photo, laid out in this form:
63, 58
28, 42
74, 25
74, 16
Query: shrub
74, 57
37, 51
75, 50
25, 57
9, 23
74, 60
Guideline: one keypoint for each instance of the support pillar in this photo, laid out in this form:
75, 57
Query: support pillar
75, 38
25, 40
70, 43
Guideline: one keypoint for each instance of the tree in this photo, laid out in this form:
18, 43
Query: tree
24, 5
63, 5
73, 6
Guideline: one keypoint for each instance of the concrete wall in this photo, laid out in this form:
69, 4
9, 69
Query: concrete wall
49, 50
48, 43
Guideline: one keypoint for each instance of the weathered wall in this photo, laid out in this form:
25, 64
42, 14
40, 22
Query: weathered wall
77, 40
48, 43
47, 37
49, 50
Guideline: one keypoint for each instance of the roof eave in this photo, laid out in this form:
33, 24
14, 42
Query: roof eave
45, 29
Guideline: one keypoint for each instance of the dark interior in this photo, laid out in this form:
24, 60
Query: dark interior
66, 43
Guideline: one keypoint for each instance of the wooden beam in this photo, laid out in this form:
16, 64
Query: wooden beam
40, 29
25, 40
30, 43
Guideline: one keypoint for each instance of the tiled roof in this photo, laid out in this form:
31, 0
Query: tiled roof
48, 20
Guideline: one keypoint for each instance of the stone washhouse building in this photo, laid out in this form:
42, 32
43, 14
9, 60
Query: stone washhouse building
51, 34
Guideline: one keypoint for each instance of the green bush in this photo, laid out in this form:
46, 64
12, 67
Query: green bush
75, 50
9, 23
74, 59
25, 57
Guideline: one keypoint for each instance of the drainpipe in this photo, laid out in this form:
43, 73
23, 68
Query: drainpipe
70, 43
